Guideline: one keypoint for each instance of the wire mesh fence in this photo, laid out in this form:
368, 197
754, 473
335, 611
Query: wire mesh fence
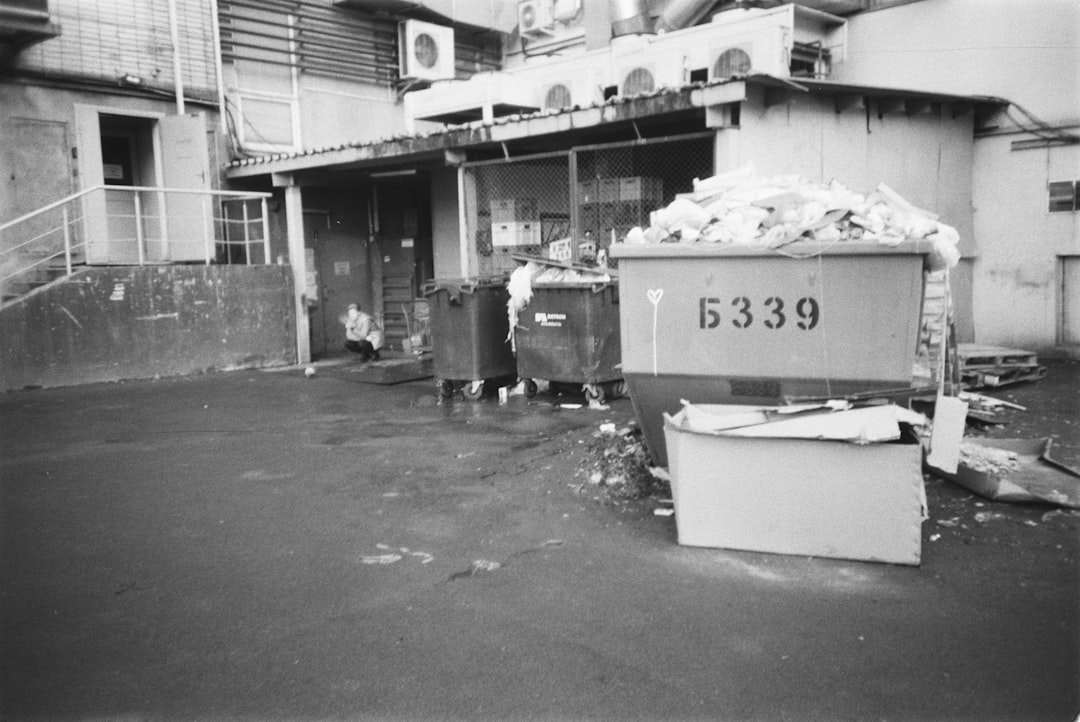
571, 206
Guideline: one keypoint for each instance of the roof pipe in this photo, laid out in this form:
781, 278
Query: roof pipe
630, 17
679, 14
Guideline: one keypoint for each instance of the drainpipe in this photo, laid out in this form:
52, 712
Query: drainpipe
218, 68
178, 80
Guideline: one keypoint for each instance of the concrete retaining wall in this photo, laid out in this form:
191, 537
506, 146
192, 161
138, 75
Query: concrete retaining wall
108, 324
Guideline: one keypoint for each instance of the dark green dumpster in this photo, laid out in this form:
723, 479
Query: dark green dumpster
569, 334
470, 345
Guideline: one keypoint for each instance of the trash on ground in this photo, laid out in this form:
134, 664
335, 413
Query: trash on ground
795, 483
988, 402
831, 420
1016, 470
741, 207
664, 511
947, 435
618, 463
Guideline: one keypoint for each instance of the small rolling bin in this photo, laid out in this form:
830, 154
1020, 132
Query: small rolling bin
569, 334
470, 344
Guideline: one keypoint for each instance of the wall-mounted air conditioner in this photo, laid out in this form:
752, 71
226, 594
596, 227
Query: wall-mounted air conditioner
731, 61
580, 87
536, 18
557, 96
638, 79
425, 51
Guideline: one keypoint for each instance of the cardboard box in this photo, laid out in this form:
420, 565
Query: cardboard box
638, 188
515, 234
515, 210
560, 250
802, 496
607, 189
587, 191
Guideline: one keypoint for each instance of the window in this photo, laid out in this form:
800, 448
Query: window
1064, 196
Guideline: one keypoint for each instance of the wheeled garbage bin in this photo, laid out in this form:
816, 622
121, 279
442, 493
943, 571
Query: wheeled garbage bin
741, 324
470, 345
569, 334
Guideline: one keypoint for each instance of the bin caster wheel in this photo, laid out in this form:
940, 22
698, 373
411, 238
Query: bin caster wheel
594, 393
473, 390
445, 388
530, 387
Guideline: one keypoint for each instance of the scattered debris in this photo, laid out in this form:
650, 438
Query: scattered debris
1016, 470
394, 555
988, 459
741, 207
618, 463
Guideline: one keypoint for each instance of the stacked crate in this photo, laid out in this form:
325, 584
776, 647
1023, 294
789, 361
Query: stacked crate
617, 204
515, 222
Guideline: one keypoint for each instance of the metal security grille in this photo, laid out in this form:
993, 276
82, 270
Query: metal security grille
111, 39
314, 37
589, 197
520, 206
619, 185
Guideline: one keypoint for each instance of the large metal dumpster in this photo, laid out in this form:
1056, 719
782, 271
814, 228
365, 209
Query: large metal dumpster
738, 324
470, 345
569, 334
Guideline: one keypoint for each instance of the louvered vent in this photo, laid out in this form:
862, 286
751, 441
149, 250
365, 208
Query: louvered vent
731, 62
557, 98
638, 80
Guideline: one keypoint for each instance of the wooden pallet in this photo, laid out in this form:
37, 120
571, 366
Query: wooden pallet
993, 366
974, 355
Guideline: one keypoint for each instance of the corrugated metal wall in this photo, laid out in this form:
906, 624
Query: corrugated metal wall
314, 37
109, 39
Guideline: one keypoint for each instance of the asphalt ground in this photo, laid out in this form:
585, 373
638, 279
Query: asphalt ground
261, 545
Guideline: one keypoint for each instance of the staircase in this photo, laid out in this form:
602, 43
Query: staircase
44, 245
397, 297
40, 271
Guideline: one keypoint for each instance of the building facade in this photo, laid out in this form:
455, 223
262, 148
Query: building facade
386, 134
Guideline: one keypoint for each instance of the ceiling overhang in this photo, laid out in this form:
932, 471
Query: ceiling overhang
640, 116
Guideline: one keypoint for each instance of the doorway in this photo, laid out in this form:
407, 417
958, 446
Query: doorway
127, 159
341, 276
144, 149
405, 246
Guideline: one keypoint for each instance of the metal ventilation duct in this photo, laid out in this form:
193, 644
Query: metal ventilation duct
679, 14
629, 17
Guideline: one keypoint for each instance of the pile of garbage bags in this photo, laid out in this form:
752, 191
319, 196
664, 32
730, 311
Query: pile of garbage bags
741, 207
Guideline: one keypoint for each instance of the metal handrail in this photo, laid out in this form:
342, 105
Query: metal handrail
102, 187
17, 254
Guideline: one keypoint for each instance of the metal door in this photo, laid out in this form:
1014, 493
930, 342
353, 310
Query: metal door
342, 277
186, 165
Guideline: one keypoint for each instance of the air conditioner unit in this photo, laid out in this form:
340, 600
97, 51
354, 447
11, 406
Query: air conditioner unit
637, 80
731, 61
557, 96
425, 51
536, 18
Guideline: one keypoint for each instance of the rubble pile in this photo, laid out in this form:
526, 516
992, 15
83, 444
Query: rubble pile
618, 463
988, 459
741, 207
